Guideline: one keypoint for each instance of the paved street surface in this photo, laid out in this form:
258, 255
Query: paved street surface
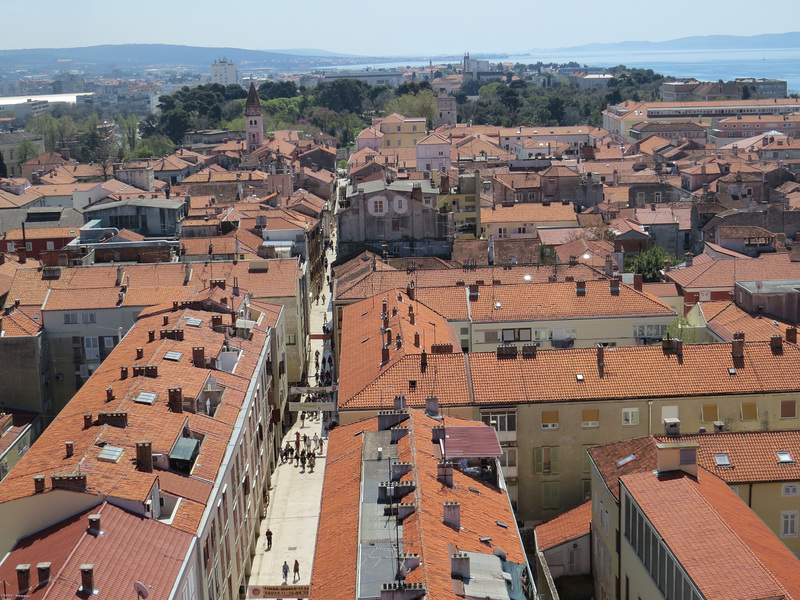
296, 494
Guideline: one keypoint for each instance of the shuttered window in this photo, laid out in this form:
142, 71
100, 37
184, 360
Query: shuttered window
590, 418
549, 419
545, 460
710, 412
788, 409
749, 411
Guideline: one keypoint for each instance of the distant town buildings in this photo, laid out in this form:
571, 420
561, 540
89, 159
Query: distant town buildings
224, 72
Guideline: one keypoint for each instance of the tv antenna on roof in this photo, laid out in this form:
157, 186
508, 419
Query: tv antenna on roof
140, 589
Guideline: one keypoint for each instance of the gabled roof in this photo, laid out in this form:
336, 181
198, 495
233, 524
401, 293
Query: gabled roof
533, 212
724, 272
484, 509
363, 335
130, 549
564, 528
726, 550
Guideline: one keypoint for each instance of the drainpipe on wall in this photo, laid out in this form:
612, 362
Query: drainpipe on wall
649, 417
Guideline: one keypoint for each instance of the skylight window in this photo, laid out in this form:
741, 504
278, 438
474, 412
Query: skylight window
731, 371
146, 398
625, 461
785, 457
110, 454
173, 355
194, 322
722, 460
579, 377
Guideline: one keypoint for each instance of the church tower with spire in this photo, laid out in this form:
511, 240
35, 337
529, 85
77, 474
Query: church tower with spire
254, 122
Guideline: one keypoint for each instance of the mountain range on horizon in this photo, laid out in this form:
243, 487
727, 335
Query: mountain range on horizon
766, 41
134, 56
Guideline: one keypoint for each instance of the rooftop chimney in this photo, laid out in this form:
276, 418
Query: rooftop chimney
165, 320
601, 355
43, 570
139, 353
432, 406
459, 566
87, 579
69, 448
613, 286
385, 354
776, 343
216, 321
445, 473
23, 578
38, 484
22, 254
737, 345
638, 281
151, 336
384, 307
94, 524
411, 314
87, 420
199, 356
580, 287
123, 372
677, 456
144, 456
423, 361
609, 266
410, 290
175, 400
416, 339
399, 402
473, 292
791, 335
688, 259
452, 514
672, 426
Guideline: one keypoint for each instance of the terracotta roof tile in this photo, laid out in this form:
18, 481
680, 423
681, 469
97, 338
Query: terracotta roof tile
564, 528
725, 549
157, 560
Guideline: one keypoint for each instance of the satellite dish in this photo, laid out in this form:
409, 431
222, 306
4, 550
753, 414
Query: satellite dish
141, 589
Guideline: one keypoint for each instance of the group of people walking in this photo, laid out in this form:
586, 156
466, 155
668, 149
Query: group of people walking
306, 455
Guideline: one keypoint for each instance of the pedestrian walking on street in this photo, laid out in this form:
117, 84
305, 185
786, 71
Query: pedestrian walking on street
323, 299
285, 569
311, 462
296, 435
302, 419
316, 441
303, 460
297, 457
297, 445
321, 442
269, 539
296, 576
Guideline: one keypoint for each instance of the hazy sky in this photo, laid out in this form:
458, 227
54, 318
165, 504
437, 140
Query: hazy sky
380, 27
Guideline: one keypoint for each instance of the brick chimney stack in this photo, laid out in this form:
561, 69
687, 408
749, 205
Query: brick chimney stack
144, 456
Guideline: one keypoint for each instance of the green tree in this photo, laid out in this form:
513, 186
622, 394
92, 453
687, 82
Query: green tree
45, 126
26, 151
67, 130
175, 123
681, 329
649, 263
342, 94
3, 167
152, 147
422, 104
129, 129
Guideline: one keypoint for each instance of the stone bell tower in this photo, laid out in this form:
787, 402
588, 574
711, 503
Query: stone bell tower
254, 122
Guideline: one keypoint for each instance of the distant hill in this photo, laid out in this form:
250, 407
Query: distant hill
165, 55
697, 43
